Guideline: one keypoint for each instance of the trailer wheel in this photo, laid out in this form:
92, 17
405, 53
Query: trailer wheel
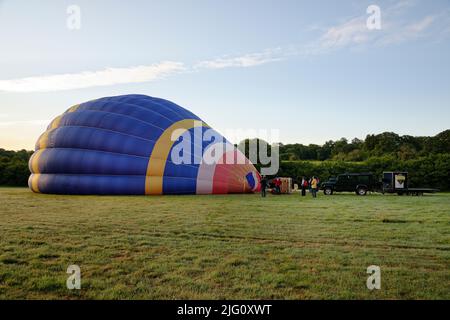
328, 191
361, 191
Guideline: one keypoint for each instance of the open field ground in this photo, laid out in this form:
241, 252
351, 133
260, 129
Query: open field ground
235, 246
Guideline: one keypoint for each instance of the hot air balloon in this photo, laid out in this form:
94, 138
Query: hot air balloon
136, 145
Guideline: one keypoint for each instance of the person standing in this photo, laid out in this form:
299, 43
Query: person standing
276, 184
314, 185
304, 185
263, 186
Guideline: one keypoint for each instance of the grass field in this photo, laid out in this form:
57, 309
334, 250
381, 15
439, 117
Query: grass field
235, 246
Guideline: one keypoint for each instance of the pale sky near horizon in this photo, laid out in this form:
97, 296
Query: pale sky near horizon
311, 69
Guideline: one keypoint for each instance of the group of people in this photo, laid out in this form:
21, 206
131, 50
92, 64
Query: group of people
276, 184
311, 184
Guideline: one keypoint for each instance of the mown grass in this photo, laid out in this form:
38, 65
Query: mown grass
230, 247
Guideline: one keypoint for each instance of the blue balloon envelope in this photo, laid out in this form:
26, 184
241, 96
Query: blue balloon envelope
132, 145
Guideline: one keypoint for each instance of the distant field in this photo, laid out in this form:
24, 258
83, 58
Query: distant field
236, 246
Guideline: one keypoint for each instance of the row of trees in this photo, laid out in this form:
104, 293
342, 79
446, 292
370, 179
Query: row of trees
14, 167
384, 144
427, 159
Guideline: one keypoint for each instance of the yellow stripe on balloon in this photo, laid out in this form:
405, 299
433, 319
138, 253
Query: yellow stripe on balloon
73, 108
43, 140
157, 162
35, 161
56, 122
35, 182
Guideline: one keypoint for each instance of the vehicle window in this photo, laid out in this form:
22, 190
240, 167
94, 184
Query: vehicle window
387, 180
353, 179
363, 179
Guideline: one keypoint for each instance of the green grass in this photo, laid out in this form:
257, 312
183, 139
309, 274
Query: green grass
235, 246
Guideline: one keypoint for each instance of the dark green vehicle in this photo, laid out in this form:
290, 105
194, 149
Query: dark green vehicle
360, 183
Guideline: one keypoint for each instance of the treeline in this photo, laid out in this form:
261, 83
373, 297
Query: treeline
14, 167
380, 145
427, 159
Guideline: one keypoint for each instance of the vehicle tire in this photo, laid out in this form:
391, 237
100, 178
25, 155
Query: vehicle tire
361, 191
328, 191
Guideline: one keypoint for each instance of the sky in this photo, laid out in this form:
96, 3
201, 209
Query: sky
313, 70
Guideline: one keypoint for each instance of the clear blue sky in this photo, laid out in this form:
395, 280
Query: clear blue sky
311, 69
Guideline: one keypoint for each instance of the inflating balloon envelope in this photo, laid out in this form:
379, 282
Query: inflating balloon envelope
135, 144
